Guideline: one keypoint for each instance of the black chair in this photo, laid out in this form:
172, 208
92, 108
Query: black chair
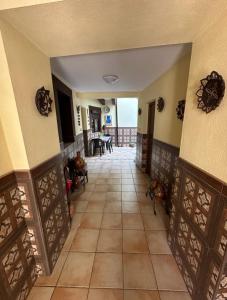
109, 145
98, 144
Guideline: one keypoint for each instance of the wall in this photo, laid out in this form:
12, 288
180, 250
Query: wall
172, 87
5, 162
9, 120
204, 136
93, 102
29, 70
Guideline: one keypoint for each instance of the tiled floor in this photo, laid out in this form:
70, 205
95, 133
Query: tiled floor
117, 249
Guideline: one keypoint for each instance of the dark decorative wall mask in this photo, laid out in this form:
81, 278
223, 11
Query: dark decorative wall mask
160, 104
139, 111
180, 109
43, 101
211, 92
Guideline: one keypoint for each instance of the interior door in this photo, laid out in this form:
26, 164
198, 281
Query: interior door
150, 132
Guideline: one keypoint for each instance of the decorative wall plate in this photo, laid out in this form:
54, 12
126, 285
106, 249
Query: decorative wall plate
180, 109
43, 101
211, 92
160, 104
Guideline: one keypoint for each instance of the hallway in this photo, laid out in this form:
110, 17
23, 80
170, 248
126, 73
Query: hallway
117, 249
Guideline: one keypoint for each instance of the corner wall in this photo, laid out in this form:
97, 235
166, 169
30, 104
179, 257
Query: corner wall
29, 70
204, 136
172, 87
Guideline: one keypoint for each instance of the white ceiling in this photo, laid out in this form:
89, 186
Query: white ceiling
136, 68
73, 27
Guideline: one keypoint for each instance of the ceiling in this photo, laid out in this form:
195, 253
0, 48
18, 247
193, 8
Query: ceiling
73, 27
7, 4
136, 68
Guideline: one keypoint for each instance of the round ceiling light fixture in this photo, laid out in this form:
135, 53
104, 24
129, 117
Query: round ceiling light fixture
111, 79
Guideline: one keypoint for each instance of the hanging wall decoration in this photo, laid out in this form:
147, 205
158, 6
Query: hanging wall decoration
211, 92
180, 109
43, 101
160, 104
139, 111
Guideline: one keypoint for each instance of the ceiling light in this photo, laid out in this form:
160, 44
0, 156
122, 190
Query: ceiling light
111, 79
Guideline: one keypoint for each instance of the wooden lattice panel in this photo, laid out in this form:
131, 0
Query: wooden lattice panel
197, 202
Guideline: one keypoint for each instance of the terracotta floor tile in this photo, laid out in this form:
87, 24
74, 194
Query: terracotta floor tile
112, 207
118, 175
79, 197
77, 270
146, 208
174, 296
115, 188
132, 221
80, 206
134, 241
53, 278
69, 239
105, 294
76, 220
128, 188
143, 181
141, 295
101, 188
97, 196
113, 196
95, 206
40, 293
153, 222
85, 240
110, 241
127, 181
90, 187
130, 207
143, 198
141, 187
157, 242
107, 271
91, 220
129, 196
167, 273
61, 293
126, 175
114, 180
111, 221
101, 181
138, 272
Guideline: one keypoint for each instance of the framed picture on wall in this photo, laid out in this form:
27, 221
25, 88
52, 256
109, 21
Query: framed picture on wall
108, 120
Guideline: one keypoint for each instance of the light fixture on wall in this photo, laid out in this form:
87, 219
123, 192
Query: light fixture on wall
111, 79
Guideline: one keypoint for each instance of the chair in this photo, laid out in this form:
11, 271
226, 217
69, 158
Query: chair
98, 144
109, 145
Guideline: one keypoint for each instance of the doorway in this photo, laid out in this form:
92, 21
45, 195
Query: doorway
150, 133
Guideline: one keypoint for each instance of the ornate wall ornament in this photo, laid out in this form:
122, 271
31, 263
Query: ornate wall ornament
43, 101
160, 104
180, 109
211, 92
139, 111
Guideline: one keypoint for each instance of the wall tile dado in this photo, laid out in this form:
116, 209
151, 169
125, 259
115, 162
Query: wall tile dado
141, 151
34, 222
198, 231
17, 263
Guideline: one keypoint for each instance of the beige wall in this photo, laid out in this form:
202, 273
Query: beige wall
172, 87
93, 102
29, 70
5, 161
10, 124
204, 136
